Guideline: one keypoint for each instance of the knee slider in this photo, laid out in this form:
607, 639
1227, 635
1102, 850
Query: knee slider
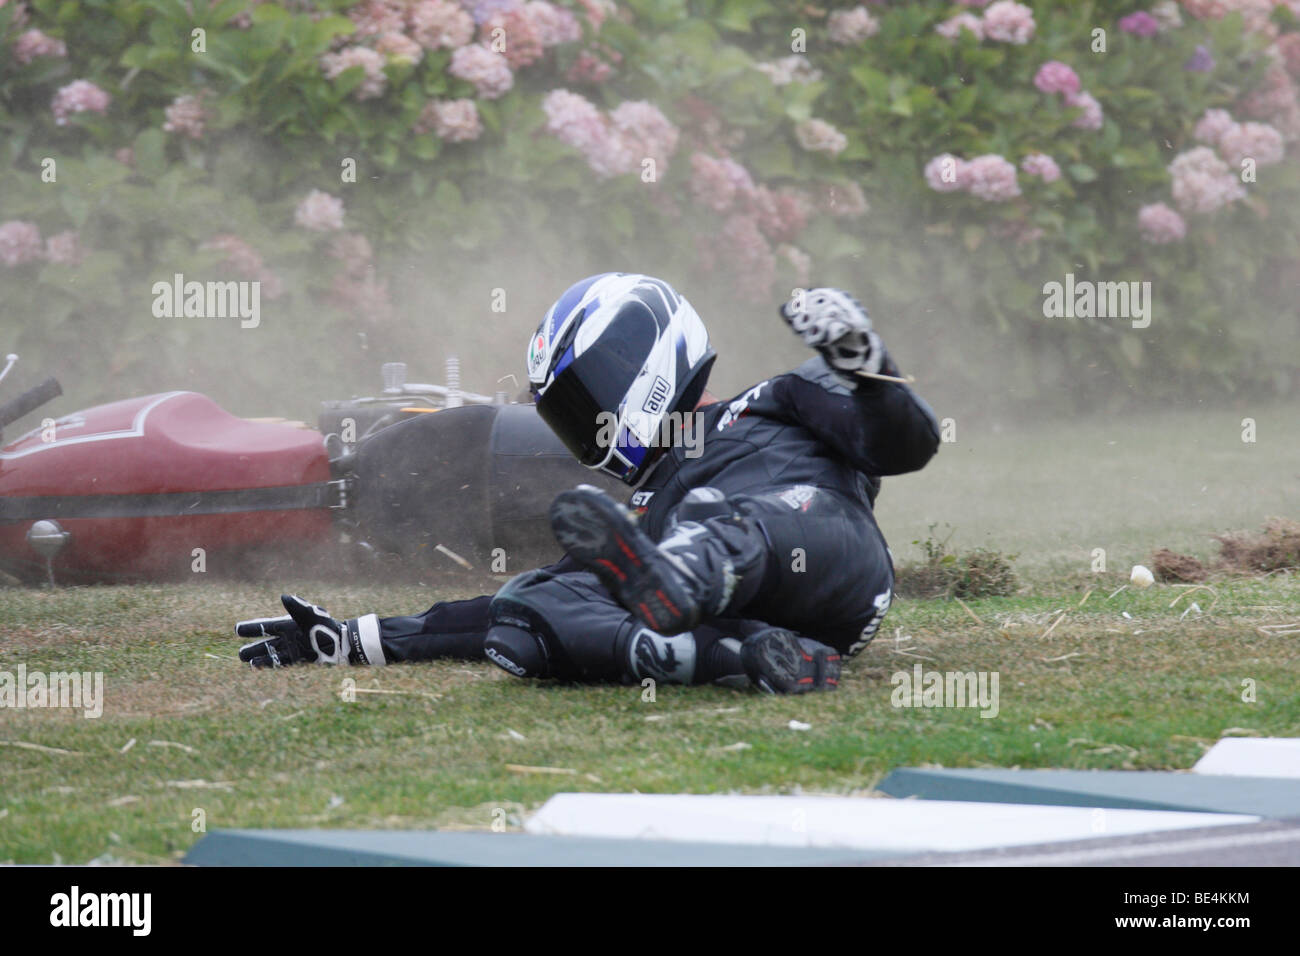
668, 660
701, 504
517, 651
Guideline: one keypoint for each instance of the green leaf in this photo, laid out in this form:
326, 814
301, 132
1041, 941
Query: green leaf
227, 10
150, 152
875, 83
265, 13
962, 101
739, 14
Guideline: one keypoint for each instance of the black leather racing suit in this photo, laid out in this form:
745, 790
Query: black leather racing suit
800, 456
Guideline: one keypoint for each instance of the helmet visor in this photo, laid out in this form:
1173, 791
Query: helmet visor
583, 403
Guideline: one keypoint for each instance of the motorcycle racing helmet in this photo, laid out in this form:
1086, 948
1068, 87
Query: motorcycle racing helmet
614, 358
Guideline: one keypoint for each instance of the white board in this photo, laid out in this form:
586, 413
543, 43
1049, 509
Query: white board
1252, 757
846, 822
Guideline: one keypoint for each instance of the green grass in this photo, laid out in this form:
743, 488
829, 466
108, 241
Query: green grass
1095, 689
1054, 492
283, 749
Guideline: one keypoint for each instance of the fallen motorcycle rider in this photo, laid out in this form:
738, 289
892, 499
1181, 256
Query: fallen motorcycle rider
748, 555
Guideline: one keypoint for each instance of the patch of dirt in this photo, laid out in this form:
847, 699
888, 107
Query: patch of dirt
1276, 547
1170, 566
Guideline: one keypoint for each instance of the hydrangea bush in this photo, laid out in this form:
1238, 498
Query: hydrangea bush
944, 160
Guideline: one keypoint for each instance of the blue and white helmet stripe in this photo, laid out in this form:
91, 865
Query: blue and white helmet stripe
577, 322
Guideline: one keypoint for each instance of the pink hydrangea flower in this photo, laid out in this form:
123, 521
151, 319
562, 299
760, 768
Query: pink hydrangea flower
353, 251
597, 11
850, 27
742, 182
20, 15
1141, 24
1257, 141
238, 256
1167, 15
187, 116
952, 27
992, 178
715, 183
1212, 125
1287, 49
400, 47
1277, 100
751, 257
64, 248
1255, 14
1206, 9
1009, 22
20, 243
364, 296
647, 130
319, 212
242, 261
573, 119
440, 24
782, 214
483, 10
1158, 224
794, 68
1275, 95
372, 65
947, 173
554, 25
34, 43
79, 96
375, 17
456, 121
1057, 77
613, 155
489, 72
588, 68
608, 149
845, 200
1091, 117
1042, 166
514, 36
1202, 182
818, 136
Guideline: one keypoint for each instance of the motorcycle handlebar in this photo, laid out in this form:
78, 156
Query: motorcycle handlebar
28, 401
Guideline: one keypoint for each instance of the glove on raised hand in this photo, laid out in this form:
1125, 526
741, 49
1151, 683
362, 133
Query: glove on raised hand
836, 325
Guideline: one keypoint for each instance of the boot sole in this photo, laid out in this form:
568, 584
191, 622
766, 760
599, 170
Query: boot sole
780, 662
599, 535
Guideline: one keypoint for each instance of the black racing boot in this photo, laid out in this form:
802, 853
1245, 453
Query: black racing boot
781, 662
699, 570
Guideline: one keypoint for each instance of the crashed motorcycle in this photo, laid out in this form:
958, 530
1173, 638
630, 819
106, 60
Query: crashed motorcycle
419, 478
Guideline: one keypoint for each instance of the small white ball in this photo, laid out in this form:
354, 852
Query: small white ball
1141, 576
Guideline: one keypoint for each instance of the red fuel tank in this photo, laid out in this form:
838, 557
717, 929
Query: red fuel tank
139, 485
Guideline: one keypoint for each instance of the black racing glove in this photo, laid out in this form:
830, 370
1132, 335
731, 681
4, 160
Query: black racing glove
309, 635
837, 326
